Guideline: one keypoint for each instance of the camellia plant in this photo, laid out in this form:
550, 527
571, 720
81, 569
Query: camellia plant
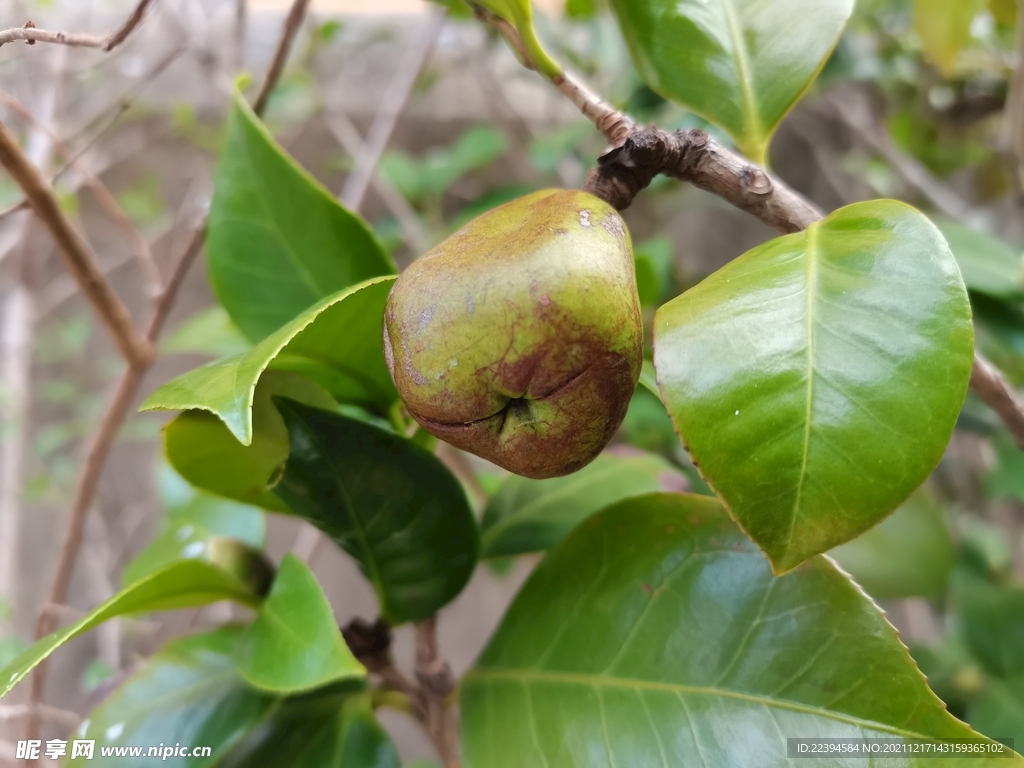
815, 382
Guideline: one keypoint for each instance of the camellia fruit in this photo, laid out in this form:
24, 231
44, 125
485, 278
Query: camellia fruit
519, 338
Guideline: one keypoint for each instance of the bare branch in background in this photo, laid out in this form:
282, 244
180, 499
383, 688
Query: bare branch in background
107, 42
103, 195
78, 257
392, 103
284, 44
988, 384
119, 406
1015, 102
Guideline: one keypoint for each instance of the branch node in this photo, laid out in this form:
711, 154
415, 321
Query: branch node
30, 25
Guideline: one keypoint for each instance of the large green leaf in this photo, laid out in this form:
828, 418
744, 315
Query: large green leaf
295, 644
816, 379
530, 515
740, 64
944, 27
389, 503
278, 241
993, 626
999, 711
325, 729
656, 635
988, 265
908, 554
187, 529
336, 343
183, 584
188, 693
205, 452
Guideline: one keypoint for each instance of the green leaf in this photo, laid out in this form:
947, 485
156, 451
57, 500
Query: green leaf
993, 626
295, 644
334, 728
908, 554
188, 693
740, 64
655, 635
389, 503
210, 332
944, 27
187, 529
532, 515
278, 241
988, 265
336, 343
999, 711
183, 584
816, 379
205, 452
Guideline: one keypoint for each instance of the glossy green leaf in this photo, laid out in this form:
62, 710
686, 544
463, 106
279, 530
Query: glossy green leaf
333, 728
531, 515
656, 635
988, 265
944, 27
202, 449
910, 553
188, 693
816, 379
187, 529
389, 503
183, 584
740, 64
295, 644
336, 343
278, 241
992, 620
999, 711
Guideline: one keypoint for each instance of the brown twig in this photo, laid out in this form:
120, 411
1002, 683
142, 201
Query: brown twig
107, 42
991, 387
436, 683
695, 157
78, 258
284, 44
99, 190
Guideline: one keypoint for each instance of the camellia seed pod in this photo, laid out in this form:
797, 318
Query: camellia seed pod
519, 338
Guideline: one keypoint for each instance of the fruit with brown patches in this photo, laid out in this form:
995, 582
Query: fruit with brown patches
519, 337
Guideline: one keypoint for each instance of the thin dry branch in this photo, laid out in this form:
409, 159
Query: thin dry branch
115, 414
993, 389
78, 257
284, 44
107, 42
436, 683
99, 190
392, 103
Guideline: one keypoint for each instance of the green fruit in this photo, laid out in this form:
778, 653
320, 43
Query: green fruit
519, 337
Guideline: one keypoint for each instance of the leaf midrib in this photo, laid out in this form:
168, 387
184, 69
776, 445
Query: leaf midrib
526, 676
749, 104
811, 278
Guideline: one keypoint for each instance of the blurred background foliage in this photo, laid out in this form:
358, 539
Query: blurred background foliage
912, 105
